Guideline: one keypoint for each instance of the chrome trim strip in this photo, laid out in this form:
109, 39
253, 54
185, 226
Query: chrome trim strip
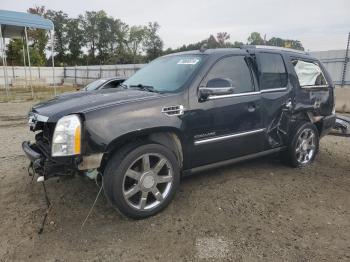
273, 90
234, 95
219, 138
249, 93
314, 86
236, 160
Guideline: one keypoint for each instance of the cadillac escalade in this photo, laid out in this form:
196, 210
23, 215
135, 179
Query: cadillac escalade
184, 113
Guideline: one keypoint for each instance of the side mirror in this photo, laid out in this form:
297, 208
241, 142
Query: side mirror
219, 82
216, 87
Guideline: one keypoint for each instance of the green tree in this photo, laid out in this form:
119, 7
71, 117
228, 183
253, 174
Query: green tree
39, 39
118, 37
121, 34
107, 32
60, 20
137, 34
255, 39
153, 44
14, 52
36, 57
90, 21
237, 44
222, 38
212, 42
276, 41
75, 40
295, 44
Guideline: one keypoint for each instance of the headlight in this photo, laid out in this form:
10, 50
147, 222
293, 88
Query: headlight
66, 140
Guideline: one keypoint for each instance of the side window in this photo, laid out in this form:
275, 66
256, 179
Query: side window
231, 71
309, 74
273, 71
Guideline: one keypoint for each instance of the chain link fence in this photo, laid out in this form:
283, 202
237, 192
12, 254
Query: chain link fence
335, 62
82, 75
66, 79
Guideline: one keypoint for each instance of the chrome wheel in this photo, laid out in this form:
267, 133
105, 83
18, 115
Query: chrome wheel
148, 181
306, 146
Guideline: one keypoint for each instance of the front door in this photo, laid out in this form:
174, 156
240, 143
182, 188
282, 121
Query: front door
226, 126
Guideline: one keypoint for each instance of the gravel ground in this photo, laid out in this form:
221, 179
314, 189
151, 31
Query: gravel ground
253, 211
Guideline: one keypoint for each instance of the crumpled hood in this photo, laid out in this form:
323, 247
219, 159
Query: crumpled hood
80, 102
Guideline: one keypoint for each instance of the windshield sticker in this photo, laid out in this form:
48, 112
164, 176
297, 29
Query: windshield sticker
188, 61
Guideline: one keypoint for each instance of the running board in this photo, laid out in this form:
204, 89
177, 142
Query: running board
235, 160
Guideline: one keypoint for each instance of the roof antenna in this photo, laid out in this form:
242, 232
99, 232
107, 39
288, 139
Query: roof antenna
203, 48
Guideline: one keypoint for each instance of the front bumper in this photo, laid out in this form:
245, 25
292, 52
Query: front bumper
31, 154
46, 166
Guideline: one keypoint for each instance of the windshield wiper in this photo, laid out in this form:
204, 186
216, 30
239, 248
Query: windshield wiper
123, 85
145, 88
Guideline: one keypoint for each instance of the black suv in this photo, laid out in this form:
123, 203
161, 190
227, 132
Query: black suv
184, 113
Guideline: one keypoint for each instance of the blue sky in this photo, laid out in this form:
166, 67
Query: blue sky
318, 24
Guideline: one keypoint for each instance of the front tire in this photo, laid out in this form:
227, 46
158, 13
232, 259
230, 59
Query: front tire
141, 180
302, 146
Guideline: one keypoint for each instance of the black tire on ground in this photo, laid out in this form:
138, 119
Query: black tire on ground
117, 181
292, 156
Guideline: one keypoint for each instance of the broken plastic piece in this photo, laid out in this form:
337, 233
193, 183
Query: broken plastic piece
40, 179
342, 125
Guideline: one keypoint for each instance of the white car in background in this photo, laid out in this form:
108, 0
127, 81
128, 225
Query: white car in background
104, 83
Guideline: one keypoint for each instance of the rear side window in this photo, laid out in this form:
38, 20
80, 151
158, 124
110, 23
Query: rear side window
233, 70
273, 72
309, 74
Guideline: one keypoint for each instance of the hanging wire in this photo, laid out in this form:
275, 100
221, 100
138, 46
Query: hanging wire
93, 205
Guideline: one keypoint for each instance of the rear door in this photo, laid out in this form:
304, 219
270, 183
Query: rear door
276, 93
314, 91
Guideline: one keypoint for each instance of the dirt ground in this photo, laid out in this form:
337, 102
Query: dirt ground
255, 211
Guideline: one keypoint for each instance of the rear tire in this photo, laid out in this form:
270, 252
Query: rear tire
141, 179
302, 146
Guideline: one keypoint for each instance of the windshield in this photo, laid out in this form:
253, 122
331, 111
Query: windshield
94, 85
165, 74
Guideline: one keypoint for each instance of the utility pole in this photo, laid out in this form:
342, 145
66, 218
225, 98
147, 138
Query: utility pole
346, 60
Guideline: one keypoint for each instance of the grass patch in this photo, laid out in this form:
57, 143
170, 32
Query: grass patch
17, 94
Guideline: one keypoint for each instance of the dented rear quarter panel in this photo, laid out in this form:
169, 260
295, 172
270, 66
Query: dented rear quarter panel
319, 101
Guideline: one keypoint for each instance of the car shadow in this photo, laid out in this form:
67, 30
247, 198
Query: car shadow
72, 199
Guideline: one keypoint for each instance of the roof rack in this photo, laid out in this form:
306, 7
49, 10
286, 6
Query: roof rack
274, 48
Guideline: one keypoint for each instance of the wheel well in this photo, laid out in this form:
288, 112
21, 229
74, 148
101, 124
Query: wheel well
319, 126
310, 117
307, 116
316, 120
168, 139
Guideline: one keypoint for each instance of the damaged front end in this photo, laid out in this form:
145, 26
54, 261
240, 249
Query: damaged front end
45, 166
56, 151
39, 152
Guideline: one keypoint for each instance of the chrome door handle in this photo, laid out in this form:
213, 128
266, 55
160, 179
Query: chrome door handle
251, 108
